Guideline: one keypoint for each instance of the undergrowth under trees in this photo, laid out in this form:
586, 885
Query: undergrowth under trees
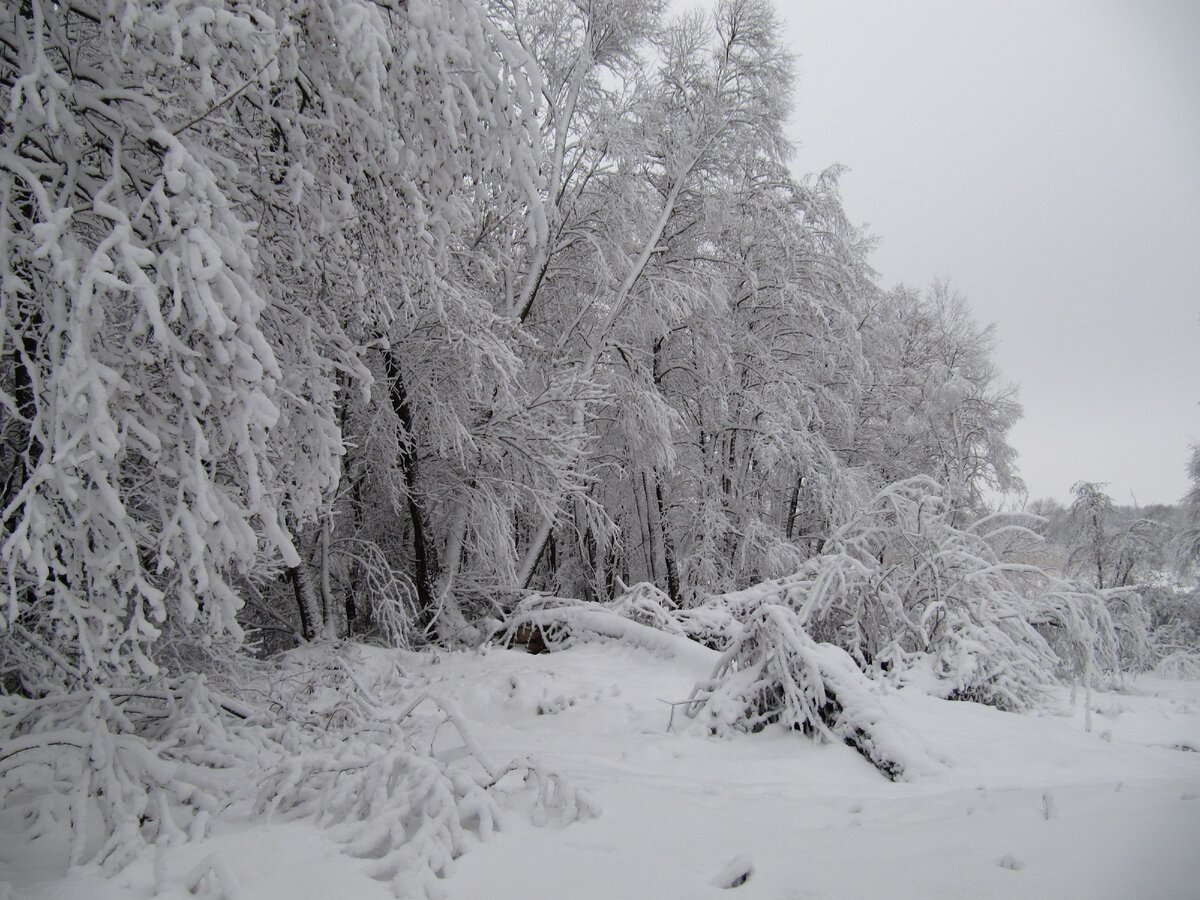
899, 597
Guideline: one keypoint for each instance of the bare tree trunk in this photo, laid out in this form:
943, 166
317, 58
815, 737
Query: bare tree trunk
668, 543
653, 527
585, 547
793, 505
425, 559
610, 568
355, 611
336, 618
533, 552
641, 505
660, 506
19, 443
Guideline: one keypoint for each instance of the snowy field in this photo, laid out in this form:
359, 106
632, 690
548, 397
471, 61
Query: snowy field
1008, 805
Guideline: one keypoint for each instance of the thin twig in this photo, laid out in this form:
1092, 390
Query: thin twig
48, 651
228, 97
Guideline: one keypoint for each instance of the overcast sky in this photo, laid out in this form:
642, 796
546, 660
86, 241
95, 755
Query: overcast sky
1045, 156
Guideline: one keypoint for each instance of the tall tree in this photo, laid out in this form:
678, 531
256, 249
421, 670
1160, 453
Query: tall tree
207, 213
936, 404
1187, 542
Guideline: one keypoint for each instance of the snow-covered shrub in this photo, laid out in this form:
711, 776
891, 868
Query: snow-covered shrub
774, 673
712, 623
1076, 624
1181, 664
312, 735
387, 598
1174, 618
359, 762
409, 813
122, 767
1174, 622
1131, 626
902, 586
912, 594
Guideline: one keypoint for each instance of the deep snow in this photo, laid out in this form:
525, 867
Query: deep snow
1010, 806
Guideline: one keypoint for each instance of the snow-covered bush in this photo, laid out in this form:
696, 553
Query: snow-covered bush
1076, 624
712, 623
1174, 622
1130, 620
774, 673
122, 767
314, 735
645, 603
914, 595
901, 587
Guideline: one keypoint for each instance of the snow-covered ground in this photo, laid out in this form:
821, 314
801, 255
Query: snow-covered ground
1008, 806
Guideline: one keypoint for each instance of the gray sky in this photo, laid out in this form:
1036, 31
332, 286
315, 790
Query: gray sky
1045, 156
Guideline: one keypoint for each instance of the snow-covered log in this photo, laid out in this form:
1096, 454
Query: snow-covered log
562, 623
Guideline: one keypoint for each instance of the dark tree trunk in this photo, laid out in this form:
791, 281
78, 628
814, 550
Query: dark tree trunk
586, 545
424, 552
668, 543
19, 444
664, 529
641, 500
792, 507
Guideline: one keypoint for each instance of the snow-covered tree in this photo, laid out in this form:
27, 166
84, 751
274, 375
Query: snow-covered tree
1187, 543
209, 217
936, 404
141, 388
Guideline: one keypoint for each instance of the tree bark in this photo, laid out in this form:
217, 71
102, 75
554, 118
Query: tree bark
533, 553
336, 617
311, 620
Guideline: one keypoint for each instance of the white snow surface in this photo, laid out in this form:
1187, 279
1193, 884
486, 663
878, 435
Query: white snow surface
1020, 805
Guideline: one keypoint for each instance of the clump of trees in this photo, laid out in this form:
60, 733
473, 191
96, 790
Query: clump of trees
366, 318
1141, 560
